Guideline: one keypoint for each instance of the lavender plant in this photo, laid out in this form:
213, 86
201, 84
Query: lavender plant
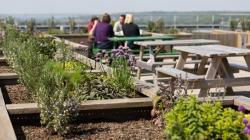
167, 97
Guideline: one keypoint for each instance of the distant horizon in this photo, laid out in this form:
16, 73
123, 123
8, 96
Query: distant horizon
116, 6
227, 11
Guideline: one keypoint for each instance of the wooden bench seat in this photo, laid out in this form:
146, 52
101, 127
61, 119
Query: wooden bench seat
152, 66
239, 66
169, 71
160, 57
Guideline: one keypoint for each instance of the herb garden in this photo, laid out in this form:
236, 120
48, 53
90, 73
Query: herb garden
51, 91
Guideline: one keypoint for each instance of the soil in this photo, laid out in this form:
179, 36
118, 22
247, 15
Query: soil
17, 94
131, 130
4, 68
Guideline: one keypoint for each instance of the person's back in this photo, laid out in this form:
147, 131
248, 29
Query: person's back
131, 30
102, 32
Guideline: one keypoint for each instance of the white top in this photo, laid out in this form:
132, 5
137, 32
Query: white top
117, 27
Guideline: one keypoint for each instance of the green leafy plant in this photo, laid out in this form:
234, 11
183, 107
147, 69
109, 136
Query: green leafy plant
233, 24
54, 85
190, 119
31, 23
121, 75
59, 96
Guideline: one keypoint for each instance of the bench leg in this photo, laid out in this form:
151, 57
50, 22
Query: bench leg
140, 58
211, 73
181, 61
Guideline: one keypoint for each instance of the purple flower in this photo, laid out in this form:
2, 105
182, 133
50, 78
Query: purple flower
120, 47
248, 126
241, 108
244, 120
246, 131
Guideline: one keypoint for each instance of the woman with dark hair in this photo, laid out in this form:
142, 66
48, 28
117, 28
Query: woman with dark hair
102, 32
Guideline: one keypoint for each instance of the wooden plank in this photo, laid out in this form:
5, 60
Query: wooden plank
145, 88
213, 68
227, 73
213, 50
227, 100
239, 66
201, 68
160, 57
6, 129
242, 100
152, 66
176, 42
182, 60
211, 73
86, 105
179, 73
8, 76
247, 59
140, 58
225, 82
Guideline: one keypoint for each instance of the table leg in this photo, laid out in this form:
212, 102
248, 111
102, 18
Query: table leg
140, 58
247, 59
226, 73
181, 61
151, 55
201, 68
211, 73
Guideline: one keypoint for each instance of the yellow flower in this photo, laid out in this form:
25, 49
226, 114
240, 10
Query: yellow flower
247, 116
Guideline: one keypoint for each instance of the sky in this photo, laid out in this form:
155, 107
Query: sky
113, 6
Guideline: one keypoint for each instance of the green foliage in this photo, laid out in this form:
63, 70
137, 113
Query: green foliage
98, 87
54, 85
243, 24
121, 75
72, 24
58, 96
10, 20
248, 25
233, 24
51, 23
56, 32
190, 119
159, 27
31, 25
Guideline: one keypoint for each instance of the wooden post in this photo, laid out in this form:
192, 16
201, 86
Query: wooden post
140, 58
182, 60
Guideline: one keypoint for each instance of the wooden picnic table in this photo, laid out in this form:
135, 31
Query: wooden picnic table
116, 40
219, 65
159, 45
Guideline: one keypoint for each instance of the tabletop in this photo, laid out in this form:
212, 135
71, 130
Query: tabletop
140, 38
213, 50
176, 42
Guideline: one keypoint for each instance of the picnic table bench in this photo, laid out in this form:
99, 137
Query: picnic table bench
158, 46
219, 65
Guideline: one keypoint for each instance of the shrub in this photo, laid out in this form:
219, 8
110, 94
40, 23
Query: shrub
59, 96
233, 24
190, 119
54, 85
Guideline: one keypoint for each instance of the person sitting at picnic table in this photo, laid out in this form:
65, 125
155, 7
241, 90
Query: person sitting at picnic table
91, 39
118, 25
130, 29
102, 32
